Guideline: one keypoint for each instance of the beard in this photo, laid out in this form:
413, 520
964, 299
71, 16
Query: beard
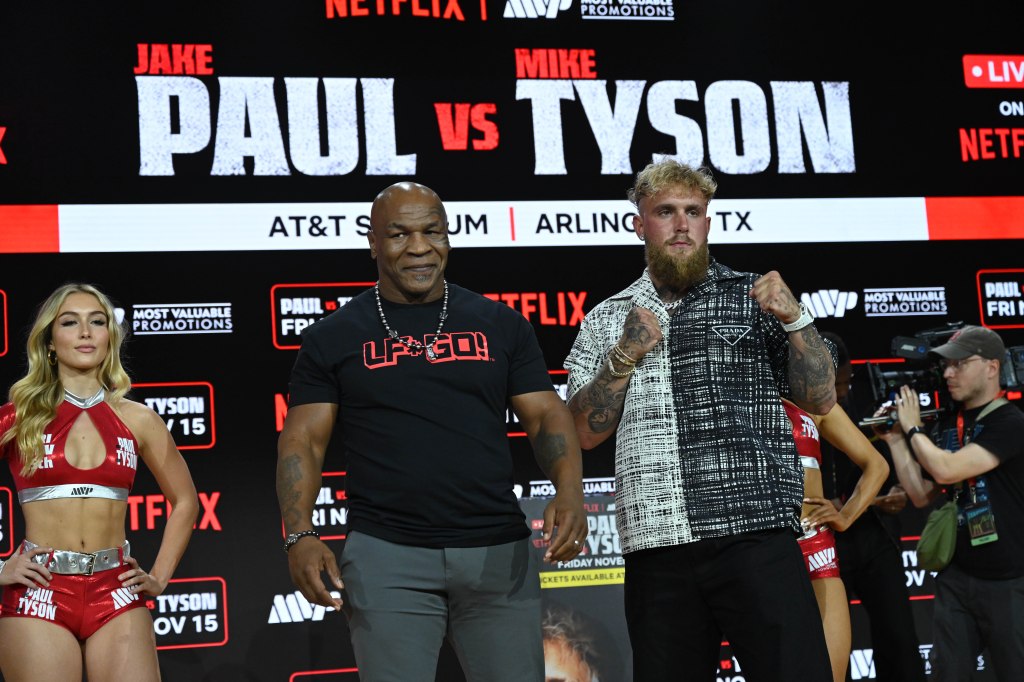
677, 272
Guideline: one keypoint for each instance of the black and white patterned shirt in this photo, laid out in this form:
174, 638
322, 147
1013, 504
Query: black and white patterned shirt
704, 448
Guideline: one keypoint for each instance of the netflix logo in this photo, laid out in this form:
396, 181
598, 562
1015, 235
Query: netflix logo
561, 308
144, 510
426, 9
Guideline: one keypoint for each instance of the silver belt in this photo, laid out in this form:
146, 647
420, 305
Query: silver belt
66, 562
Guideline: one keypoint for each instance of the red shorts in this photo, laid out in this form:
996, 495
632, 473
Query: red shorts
820, 554
79, 603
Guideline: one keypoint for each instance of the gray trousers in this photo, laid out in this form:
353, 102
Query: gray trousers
402, 602
971, 615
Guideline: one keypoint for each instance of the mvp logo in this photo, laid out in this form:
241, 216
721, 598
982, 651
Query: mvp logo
829, 302
535, 9
862, 664
294, 608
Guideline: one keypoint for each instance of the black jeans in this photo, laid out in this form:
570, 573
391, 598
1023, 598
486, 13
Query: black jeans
751, 588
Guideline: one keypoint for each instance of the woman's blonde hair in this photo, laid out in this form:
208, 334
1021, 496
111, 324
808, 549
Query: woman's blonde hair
37, 395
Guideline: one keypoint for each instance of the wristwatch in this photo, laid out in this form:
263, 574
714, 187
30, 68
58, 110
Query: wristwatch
913, 431
799, 323
292, 538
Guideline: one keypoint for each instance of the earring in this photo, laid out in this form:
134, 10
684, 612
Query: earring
641, 237
52, 357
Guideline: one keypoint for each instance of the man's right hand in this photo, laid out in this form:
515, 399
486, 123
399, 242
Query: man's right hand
640, 333
307, 559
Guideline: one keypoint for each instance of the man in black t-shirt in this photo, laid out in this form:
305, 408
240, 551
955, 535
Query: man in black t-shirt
418, 373
979, 460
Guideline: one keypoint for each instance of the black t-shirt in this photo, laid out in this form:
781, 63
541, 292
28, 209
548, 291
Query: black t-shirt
425, 443
1001, 432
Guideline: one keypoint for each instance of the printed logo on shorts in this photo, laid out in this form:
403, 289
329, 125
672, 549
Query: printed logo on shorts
823, 558
122, 597
38, 602
731, 333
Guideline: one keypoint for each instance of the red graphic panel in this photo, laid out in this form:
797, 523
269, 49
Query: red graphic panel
187, 409
29, 229
1001, 298
293, 307
3, 322
993, 71
191, 613
6, 521
336, 675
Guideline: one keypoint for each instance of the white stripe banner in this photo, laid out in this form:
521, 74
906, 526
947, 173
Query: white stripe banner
476, 224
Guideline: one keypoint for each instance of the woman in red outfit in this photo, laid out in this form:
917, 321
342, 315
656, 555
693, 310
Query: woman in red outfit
820, 517
73, 595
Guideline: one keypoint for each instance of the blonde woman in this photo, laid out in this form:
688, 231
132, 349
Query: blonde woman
72, 592
819, 517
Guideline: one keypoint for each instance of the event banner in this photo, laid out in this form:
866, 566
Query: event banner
211, 167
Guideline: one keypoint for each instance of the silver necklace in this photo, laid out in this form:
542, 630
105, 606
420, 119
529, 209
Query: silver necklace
84, 403
413, 344
673, 305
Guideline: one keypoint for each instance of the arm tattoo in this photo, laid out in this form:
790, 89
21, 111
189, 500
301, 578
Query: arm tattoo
602, 405
548, 449
635, 331
811, 371
289, 473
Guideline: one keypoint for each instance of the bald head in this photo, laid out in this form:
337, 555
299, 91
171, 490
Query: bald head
409, 240
400, 194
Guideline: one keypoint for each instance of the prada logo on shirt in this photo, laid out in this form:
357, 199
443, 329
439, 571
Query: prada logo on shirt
731, 333
450, 346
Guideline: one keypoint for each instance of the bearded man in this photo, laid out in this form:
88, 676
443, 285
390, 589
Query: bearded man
686, 366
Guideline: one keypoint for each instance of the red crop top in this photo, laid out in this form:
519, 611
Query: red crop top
56, 478
805, 434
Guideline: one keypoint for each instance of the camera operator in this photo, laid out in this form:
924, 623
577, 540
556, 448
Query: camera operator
979, 597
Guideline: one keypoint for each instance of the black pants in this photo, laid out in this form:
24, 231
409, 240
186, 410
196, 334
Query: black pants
751, 588
872, 570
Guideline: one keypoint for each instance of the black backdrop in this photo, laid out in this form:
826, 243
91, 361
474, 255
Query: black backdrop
72, 150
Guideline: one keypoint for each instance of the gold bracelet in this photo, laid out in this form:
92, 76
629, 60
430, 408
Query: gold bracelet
616, 374
621, 356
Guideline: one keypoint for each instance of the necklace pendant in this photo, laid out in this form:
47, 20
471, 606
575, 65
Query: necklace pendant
431, 355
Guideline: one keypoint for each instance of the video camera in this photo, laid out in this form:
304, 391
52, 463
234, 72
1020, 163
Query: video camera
923, 373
